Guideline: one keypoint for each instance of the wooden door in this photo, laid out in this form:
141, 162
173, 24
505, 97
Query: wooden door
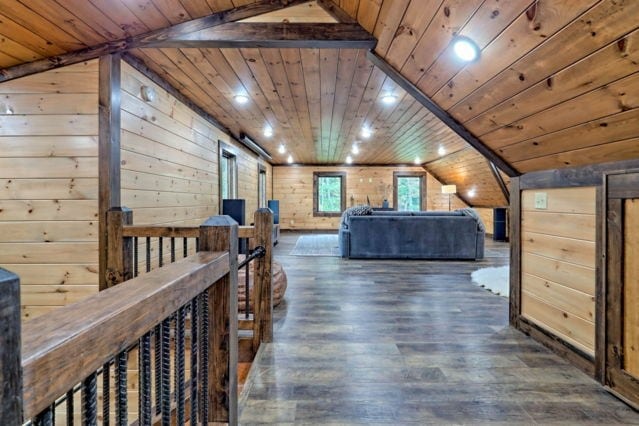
622, 286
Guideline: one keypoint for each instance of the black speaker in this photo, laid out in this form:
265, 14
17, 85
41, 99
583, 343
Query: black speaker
274, 205
236, 208
499, 224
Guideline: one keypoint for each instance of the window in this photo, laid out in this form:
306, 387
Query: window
409, 191
228, 173
261, 185
329, 193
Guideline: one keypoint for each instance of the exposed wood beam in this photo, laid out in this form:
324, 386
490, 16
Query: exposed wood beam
336, 12
500, 181
273, 35
444, 116
143, 40
108, 151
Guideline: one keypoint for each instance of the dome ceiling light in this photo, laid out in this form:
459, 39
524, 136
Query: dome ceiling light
465, 49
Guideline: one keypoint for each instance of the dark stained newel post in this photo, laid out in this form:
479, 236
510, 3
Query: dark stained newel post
10, 360
263, 283
220, 233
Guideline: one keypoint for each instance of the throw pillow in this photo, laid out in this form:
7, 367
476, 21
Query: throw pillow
362, 210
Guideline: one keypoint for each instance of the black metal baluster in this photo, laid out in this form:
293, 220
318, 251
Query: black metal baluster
136, 249
172, 249
90, 400
121, 389
148, 254
106, 390
144, 371
166, 373
204, 356
180, 364
69, 401
160, 252
45, 418
197, 244
158, 367
194, 342
185, 244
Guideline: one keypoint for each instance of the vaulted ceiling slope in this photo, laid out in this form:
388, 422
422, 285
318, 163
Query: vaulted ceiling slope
556, 84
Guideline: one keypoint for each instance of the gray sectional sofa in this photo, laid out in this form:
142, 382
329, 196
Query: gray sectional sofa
412, 235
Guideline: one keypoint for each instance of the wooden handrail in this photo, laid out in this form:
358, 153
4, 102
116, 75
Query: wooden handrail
246, 231
61, 348
161, 231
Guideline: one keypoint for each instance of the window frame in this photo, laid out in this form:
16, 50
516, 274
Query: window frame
227, 151
316, 179
422, 187
262, 198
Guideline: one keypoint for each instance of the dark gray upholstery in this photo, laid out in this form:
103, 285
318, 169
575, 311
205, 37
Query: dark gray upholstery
418, 235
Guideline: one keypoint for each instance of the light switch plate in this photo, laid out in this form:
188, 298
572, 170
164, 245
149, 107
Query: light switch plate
541, 200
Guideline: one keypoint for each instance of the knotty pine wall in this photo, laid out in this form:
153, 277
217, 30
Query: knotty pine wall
293, 186
558, 263
49, 191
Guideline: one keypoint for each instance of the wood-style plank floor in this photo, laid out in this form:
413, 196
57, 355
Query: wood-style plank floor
409, 342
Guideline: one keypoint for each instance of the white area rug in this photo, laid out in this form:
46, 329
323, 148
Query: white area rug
495, 280
316, 245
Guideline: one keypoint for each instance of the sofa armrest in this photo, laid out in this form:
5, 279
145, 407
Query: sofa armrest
479, 250
344, 241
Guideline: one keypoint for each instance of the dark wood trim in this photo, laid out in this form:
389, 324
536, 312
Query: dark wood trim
276, 35
119, 253
10, 341
574, 176
500, 181
575, 356
600, 286
146, 39
515, 253
422, 187
226, 150
336, 12
316, 176
108, 152
443, 115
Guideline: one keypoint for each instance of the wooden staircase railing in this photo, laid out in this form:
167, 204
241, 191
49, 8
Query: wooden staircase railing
186, 309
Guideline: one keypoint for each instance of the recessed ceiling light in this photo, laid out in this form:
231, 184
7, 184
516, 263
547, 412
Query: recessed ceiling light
281, 149
9, 110
268, 131
472, 193
389, 99
349, 160
465, 49
441, 151
366, 132
241, 99
289, 159
417, 161
355, 149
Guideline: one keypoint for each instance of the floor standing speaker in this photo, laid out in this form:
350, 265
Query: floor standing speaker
499, 224
236, 208
274, 205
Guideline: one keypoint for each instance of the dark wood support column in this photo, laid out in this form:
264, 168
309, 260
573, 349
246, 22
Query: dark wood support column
515, 252
263, 284
119, 253
220, 233
10, 341
108, 152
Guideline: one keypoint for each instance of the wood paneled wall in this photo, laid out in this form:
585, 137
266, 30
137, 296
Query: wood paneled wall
170, 159
293, 186
558, 263
49, 191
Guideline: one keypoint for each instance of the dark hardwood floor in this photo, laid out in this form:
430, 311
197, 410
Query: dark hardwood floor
409, 342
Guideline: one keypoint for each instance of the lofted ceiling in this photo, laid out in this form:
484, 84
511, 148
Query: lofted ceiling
556, 84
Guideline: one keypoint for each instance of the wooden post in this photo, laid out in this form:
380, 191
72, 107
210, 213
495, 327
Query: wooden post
108, 152
263, 280
515, 252
10, 359
119, 250
220, 233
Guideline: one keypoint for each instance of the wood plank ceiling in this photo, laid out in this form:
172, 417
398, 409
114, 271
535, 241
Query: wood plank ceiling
556, 84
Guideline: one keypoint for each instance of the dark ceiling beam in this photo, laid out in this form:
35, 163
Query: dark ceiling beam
443, 115
500, 182
274, 35
336, 12
143, 40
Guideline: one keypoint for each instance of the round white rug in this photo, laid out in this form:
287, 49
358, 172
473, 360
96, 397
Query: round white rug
494, 279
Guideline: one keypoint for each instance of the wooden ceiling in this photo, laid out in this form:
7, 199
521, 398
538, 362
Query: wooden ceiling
556, 84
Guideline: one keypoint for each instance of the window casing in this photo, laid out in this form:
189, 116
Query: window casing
409, 191
228, 173
329, 193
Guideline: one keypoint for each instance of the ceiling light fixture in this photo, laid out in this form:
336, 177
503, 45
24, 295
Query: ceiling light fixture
268, 131
441, 151
147, 93
281, 149
289, 160
355, 149
241, 99
465, 49
389, 99
366, 132
9, 110
472, 193
349, 160
417, 161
